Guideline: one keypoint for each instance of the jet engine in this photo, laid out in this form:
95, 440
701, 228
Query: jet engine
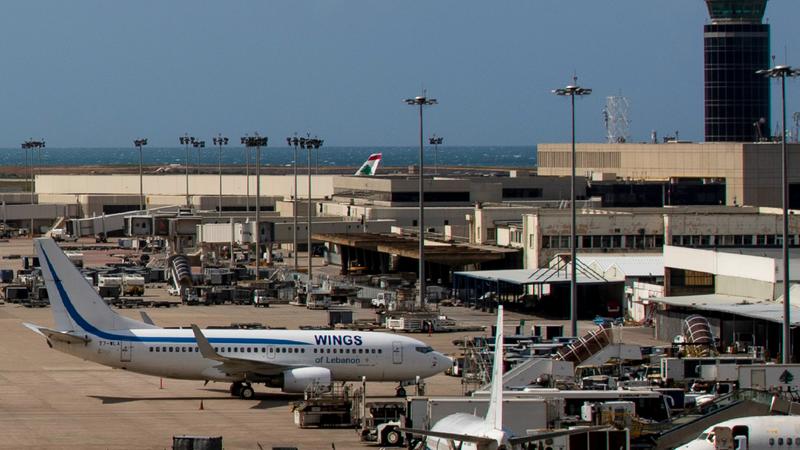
297, 380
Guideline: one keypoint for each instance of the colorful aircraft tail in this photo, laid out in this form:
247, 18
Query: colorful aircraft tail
370, 166
75, 304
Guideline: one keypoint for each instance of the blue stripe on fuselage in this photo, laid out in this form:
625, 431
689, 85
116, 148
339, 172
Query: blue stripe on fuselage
88, 327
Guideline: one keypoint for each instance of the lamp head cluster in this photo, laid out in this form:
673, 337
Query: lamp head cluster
139, 142
32, 144
421, 100
780, 72
199, 144
305, 143
436, 140
572, 91
220, 140
186, 140
255, 141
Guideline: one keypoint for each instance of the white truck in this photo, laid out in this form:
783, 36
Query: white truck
382, 300
261, 299
109, 285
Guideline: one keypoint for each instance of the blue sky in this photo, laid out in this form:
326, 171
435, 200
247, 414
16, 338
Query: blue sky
100, 73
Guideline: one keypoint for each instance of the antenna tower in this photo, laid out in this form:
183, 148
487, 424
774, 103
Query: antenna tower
615, 115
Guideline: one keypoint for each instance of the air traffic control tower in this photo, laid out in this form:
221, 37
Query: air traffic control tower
736, 45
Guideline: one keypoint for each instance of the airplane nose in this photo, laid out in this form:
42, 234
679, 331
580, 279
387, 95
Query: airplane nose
441, 362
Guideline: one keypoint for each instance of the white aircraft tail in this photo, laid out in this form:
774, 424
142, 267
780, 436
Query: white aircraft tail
370, 166
76, 305
494, 416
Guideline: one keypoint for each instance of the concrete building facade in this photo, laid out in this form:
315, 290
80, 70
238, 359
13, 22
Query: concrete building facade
750, 171
544, 233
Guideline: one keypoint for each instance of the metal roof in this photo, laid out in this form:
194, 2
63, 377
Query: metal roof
630, 265
762, 309
545, 275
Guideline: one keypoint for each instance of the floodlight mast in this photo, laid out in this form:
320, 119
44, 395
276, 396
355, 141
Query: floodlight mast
573, 91
139, 143
782, 72
186, 141
421, 101
257, 142
293, 142
219, 141
33, 145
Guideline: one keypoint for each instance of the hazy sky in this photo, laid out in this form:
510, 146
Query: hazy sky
100, 73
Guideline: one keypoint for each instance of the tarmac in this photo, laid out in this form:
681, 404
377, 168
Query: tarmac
51, 400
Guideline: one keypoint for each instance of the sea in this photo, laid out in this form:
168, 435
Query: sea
502, 156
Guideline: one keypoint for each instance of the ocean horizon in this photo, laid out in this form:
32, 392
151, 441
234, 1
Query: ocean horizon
502, 156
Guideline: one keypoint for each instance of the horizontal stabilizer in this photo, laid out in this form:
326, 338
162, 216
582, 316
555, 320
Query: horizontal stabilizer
60, 336
450, 436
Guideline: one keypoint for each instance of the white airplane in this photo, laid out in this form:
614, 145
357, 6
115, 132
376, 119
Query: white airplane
461, 431
370, 166
288, 359
750, 433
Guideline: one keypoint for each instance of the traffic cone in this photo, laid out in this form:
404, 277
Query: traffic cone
201, 405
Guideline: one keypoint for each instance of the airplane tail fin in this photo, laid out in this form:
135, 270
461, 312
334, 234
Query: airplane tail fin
370, 166
494, 416
75, 304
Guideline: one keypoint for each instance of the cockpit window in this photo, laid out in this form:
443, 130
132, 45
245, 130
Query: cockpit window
702, 437
424, 349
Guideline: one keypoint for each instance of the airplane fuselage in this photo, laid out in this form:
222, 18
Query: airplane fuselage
174, 353
752, 433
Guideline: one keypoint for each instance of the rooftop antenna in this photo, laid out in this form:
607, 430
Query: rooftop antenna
615, 115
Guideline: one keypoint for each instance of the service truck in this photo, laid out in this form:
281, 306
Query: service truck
132, 285
109, 285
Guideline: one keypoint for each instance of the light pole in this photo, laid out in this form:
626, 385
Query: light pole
310, 144
219, 141
435, 141
421, 101
293, 142
247, 177
139, 143
573, 91
782, 72
257, 142
32, 145
186, 141
198, 144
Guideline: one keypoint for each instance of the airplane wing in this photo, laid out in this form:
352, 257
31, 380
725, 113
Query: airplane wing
55, 335
540, 436
235, 365
450, 436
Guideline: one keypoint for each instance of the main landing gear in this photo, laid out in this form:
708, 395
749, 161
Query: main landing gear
243, 390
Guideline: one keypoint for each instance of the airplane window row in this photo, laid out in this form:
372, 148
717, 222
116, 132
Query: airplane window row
789, 441
264, 350
347, 350
174, 349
